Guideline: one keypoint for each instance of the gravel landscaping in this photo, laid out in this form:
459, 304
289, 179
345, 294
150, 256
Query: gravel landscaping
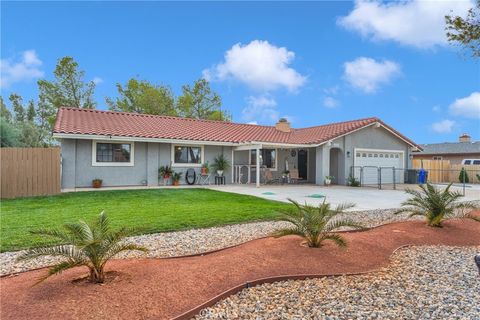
429, 282
197, 241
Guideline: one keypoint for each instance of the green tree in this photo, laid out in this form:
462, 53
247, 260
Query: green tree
5, 114
141, 96
463, 176
68, 89
45, 119
8, 134
465, 32
17, 106
200, 102
31, 111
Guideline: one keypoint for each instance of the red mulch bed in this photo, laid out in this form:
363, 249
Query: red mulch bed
165, 288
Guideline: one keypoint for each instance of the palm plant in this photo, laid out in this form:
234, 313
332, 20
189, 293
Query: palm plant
91, 245
316, 224
437, 205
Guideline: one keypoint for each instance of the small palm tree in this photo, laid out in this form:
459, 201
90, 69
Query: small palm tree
85, 245
316, 224
436, 205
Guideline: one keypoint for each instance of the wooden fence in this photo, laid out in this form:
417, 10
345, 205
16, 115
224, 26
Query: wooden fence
443, 171
29, 172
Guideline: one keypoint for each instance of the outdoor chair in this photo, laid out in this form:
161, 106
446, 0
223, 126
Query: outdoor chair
268, 176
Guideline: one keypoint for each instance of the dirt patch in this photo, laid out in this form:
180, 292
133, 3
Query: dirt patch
165, 288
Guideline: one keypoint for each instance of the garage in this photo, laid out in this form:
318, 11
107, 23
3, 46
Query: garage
371, 164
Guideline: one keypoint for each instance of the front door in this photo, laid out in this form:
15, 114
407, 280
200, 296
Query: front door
302, 164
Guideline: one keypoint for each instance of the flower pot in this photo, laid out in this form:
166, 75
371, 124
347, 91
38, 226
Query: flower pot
166, 177
220, 172
328, 182
204, 171
97, 184
176, 182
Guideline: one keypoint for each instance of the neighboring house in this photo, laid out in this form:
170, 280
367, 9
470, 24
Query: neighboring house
456, 152
127, 148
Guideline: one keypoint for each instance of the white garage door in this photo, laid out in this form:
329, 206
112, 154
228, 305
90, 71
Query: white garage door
371, 160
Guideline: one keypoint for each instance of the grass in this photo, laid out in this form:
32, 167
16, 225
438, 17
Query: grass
150, 211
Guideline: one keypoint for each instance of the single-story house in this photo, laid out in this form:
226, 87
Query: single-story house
126, 149
455, 152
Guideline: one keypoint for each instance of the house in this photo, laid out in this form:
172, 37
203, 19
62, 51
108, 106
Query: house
456, 152
127, 148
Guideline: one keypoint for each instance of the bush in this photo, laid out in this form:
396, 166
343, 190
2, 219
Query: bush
436, 204
91, 245
463, 176
316, 224
353, 182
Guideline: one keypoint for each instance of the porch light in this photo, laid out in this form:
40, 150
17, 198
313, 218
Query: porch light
410, 156
348, 154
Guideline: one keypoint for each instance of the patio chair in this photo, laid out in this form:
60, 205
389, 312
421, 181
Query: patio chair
268, 177
294, 176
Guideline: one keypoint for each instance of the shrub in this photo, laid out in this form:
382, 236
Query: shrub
316, 224
463, 176
437, 205
353, 182
220, 163
91, 245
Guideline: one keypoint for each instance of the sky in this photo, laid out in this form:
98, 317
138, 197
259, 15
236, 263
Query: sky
311, 62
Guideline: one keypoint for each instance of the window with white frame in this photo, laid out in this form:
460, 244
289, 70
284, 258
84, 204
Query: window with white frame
268, 158
190, 155
112, 153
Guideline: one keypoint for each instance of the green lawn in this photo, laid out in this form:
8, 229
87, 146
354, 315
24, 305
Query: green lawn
149, 210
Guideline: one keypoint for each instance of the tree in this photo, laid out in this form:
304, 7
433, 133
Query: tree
5, 114
141, 96
68, 89
8, 134
45, 119
17, 106
91, 245
465, 31
31, 111
463, 176
200, 102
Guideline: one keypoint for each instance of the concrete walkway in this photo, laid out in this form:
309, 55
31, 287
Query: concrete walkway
364, 198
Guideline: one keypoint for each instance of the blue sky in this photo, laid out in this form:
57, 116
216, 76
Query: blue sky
313, 62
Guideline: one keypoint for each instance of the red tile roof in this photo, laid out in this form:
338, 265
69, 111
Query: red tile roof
122, 124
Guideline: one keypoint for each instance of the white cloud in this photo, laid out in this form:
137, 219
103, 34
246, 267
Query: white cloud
330, 102
468, 107
367, 74
415, 23
436, 108
97, 80
444, 126
332, 90
261, 108
259, 65
28, 68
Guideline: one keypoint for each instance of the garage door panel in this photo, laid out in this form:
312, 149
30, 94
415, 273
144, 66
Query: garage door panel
385, 159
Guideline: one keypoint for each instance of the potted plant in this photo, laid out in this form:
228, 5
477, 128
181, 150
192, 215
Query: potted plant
176, 178
165, 172
328, 180
220, 164
285, 173
97, 183
205, 169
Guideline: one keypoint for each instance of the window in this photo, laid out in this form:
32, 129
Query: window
187, 155
268, 158
467, 161
112, 153
437, 158
476, 161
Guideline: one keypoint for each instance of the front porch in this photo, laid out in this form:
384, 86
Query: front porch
273, 164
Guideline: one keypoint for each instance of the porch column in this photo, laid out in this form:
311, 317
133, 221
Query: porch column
233, 166
257, 167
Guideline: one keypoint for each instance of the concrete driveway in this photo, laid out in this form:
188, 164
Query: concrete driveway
364, 198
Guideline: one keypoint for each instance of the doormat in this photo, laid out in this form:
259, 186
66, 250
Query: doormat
268, 193
316, 195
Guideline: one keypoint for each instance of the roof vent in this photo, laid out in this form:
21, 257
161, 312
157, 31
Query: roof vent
283, 125
464, 138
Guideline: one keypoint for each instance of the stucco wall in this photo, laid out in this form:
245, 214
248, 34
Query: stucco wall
454, 159
77, 169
